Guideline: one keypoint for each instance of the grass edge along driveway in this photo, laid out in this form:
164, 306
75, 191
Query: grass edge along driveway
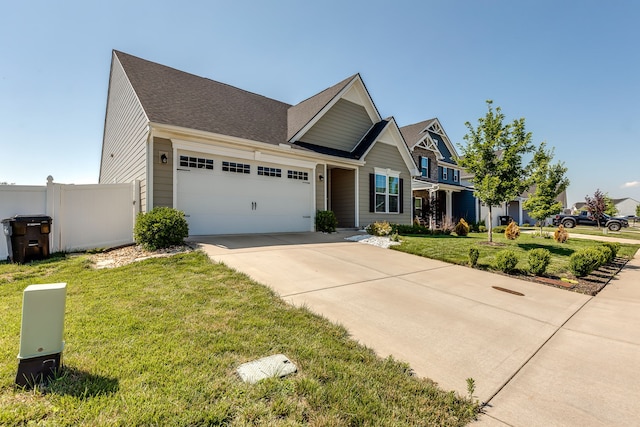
157, 343
455, 250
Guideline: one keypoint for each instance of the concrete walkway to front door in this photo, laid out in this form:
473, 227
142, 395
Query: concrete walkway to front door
449, 322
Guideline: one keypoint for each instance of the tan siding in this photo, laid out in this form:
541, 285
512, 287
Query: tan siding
320, 193
342, 197
384, 156
125, 135
162, 173
341, 127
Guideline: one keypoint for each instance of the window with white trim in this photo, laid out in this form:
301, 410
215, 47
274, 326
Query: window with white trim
196, 162
417, 204
300, 175
456, 175
424, 166
236, 167
387, 192
445, 175
267, 171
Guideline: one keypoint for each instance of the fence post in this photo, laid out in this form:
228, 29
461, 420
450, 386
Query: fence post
53, 204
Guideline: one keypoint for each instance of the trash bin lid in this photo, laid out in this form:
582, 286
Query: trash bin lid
28, 218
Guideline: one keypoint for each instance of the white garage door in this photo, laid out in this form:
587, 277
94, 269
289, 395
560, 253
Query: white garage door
231, 196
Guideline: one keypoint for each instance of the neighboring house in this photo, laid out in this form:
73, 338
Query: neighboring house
439, 177
514, 210
238, 162
625, 206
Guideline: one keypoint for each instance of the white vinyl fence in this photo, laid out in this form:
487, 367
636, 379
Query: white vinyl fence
83, 216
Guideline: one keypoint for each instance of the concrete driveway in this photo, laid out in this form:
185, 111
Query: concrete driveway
537, 355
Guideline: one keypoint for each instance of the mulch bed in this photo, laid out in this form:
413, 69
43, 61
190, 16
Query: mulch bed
589, 285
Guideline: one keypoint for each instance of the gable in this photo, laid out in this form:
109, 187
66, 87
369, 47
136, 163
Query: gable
340, 128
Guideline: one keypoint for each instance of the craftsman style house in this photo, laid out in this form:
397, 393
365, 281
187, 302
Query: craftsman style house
439, 192
238, 162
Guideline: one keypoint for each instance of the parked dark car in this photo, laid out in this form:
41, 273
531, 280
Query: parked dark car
585, 218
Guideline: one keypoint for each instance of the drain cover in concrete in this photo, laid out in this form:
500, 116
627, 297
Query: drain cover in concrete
277, 365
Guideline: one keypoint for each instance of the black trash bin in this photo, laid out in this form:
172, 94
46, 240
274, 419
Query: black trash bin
27, 237
505, 220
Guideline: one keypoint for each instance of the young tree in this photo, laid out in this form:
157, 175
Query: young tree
596, 205
549, 181
493, 155
610, 207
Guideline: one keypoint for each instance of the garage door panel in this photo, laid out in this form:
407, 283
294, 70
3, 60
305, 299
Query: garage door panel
219, 202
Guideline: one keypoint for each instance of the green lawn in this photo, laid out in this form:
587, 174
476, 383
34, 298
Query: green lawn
632, 233
157, 343
455, 249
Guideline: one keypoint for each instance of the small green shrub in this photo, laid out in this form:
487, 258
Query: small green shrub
615, 247
512, 231
506, 260
482, 228
499, 229
561, 235
474, 254
461, 228
526, 224
379, 228
539, 260
410, 229
160, 228
326, 221
606, 254
584, 261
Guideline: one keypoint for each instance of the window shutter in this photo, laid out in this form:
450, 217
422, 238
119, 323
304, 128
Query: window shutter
420, 164
372, 192
401, 196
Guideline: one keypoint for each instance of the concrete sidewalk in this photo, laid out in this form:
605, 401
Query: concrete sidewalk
538, 355
588, 374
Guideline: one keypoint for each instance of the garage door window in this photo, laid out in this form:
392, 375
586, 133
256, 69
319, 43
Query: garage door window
267, 171
303, 176
196, 162
236, 167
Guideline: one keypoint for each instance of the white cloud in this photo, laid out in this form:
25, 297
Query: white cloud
631, 184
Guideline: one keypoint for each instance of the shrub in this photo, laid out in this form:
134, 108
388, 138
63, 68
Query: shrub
461, 228
560, 235
584, 261
474, 254
539, 260
526, 224
379, 228
506, 260
499, 229
160, 228
606, 254
482, 228
326, 221
513, 231
410, 229
614, 246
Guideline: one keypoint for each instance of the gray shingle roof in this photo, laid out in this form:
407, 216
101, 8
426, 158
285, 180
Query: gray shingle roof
413, 133
173, 97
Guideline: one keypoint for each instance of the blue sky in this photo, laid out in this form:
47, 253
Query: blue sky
570, 68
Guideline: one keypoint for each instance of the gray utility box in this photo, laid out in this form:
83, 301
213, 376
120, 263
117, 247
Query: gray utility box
27, 237
41, 341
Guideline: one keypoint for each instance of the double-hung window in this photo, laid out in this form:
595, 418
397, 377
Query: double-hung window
456, 175
387, 192
445, 176
424, 166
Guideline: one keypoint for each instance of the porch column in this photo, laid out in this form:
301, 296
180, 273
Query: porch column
449, 207
432, 194
520, 211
